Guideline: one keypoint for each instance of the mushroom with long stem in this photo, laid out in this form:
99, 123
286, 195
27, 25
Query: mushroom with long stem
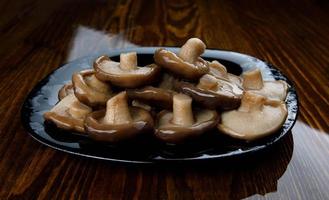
126, 73
253, 82
257, 117
187, 63
184, 122
119, 121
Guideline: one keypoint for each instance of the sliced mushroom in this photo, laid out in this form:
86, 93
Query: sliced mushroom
219, 71
157, 97
68, 114
257, 117
65, 90
126, 73
119, 121
89, 90
183, 123
253, 81
212, 93
188, 63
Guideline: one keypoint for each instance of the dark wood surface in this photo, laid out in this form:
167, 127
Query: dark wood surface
38, 36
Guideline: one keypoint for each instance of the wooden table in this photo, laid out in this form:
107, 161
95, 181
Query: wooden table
38, 36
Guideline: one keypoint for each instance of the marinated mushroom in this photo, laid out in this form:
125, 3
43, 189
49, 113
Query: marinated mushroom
125, 73
68, 114
187, 64
257, 117
65, 90
118, 122
212, 93
183, 122
89, 90
219, 71
157, 97
253, 81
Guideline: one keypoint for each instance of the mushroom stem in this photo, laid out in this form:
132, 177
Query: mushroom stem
117, 110
251, 102
252, 80
208, 82
128, 61
182, 110
191, 50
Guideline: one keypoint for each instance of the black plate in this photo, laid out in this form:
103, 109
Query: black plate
148, 150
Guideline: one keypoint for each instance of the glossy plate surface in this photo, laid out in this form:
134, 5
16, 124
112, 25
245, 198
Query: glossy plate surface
148, 150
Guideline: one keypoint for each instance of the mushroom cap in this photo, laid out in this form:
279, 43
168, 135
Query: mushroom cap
225, 97
154, 96
257, 117
142, 122
65, 90
205, 120
68, 114
179, 67
108, 70
89, 90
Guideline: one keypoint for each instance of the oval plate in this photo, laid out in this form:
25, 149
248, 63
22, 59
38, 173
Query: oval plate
211, 146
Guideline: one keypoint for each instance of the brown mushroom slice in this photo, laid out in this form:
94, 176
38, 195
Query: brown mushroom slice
218, 70
157, 97
188, 63
183, 123
212, 93
253, 81
125, 73
65, 90
68, 114
119, 121
89, 90
255, 118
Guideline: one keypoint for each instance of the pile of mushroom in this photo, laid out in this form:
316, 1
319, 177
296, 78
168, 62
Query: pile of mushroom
178, 97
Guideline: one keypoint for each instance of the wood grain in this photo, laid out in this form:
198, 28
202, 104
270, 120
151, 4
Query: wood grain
38, 36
